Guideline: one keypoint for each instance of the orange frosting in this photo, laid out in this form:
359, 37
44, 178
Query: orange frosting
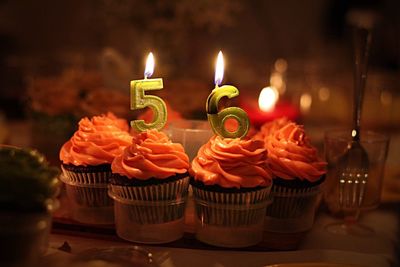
151, 155
269, 128
97, 141
232, 163
290, 154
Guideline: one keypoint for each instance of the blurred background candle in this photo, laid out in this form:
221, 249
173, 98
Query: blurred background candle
271, 104
269, 108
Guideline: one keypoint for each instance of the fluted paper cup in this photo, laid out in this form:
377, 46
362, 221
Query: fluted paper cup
292, 209
230, 219
88, 197
150, 214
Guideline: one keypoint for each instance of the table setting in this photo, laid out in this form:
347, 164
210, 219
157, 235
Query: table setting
108, 170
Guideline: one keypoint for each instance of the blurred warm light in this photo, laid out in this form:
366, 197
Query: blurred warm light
277, 76
149, 66
386, 98
268, 98
219, 69
281, 65
305, 102
324, 94
276, 80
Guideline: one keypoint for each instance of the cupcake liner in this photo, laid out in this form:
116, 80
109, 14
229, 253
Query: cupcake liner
157, 192
151, 204
87, 189
86, 179
88, 196
292, 202
230, 209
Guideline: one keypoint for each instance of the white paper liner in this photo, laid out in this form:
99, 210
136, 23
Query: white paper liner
230, 209
87, 189
292, 202
86, 179
152, 204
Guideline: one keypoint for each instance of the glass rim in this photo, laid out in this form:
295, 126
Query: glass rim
344, 134
177, 125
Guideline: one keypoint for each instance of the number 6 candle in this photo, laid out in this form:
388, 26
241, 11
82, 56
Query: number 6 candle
217, 118
139, 100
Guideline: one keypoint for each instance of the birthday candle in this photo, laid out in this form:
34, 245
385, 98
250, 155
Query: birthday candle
140, 100
217, 118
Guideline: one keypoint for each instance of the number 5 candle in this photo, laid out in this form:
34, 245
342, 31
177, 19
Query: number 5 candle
217, 118
140, 100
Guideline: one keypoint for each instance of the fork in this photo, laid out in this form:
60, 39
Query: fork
353, 165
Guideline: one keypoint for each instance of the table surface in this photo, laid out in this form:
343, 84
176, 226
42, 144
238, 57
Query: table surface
380, 249
319, 246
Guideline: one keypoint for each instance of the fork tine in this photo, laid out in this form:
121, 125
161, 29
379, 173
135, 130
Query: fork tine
362, 188
342, 183
356, 191
352, 185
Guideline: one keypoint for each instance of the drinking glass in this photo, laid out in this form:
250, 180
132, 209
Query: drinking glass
336, 143
192, 134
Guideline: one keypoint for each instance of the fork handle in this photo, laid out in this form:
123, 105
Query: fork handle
362, 43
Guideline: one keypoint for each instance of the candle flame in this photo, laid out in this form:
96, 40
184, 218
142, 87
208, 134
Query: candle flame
149, 66
219, 69
268, 98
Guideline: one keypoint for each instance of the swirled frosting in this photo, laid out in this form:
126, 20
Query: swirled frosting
232, 163
290, 154
97, 141
151, 155
269, 128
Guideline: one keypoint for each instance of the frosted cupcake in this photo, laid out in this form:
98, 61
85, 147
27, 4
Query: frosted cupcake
149, 186
231, 186
298, 174
86, 165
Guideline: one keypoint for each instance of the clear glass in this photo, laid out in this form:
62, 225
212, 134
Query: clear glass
376, 145
192, 134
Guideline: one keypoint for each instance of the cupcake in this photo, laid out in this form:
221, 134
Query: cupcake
298, 174
86, 165
27, 199
231, 186
149, 186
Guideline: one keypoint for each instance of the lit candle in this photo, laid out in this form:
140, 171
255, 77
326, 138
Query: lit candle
140, 100
217, 118
268, 98
269, 107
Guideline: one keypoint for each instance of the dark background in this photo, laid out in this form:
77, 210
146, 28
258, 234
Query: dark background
43, 38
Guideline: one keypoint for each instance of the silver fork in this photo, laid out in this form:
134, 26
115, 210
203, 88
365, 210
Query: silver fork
353, 165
